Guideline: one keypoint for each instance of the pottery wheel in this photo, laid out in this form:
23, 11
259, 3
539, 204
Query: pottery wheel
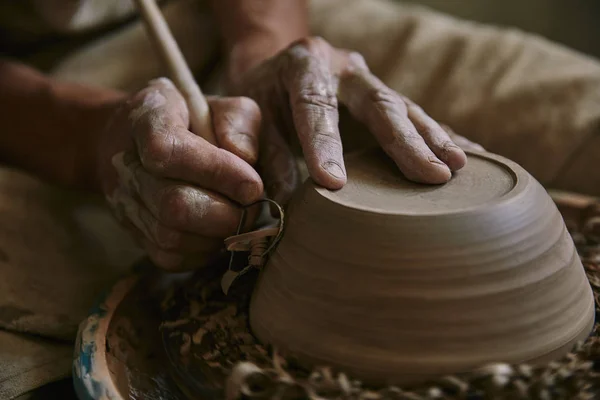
118, 348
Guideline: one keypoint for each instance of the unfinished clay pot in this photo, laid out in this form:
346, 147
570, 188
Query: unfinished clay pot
397, 282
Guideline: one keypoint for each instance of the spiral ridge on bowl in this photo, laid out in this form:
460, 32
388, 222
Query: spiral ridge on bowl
397, 282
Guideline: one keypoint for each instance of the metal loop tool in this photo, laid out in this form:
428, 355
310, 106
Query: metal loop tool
259, 243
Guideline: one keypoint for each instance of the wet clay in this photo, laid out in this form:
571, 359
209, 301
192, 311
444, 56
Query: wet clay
396, 282
226, 357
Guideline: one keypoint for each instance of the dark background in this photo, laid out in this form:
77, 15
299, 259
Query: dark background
575, 23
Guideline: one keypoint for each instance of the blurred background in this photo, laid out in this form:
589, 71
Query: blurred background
575, 23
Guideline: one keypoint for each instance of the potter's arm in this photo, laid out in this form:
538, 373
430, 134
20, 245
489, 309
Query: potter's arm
49, 127
313, 77
255, 30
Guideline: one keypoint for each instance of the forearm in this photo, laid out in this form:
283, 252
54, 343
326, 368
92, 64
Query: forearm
50, 128
253, 30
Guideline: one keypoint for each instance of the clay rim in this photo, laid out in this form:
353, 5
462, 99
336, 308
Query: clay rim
92, 378
522, 182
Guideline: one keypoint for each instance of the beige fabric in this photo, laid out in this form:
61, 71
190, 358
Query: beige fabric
58, 251
28, 363
518, 95
27, 18
125, 58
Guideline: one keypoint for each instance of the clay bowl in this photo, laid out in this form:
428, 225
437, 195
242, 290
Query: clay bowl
397, 282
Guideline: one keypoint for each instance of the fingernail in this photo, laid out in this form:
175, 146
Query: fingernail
334, 170
435, 160
451, 146
248, 192
449, 149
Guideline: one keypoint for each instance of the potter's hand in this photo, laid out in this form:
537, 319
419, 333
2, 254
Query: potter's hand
462, 141
176, 191
298, 91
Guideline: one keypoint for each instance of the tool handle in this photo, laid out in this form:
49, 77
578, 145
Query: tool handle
181, 75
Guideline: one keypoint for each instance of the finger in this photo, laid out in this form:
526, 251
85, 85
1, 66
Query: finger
462, 141
169, 150
117, 200
165, 238
236, 121
385, 114
278, 167
436, 138
177, 206
131, 211
161, 249
166, 260
311, 89
168, 239
161, 94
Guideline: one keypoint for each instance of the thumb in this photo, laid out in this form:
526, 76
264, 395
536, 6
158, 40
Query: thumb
236, 122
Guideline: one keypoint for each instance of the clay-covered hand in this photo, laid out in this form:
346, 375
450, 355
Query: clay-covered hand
298, 91
176, 191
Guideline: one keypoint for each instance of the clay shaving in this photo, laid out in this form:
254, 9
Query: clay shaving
216, 344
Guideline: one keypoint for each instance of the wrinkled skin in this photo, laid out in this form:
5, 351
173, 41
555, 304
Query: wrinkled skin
181, 196
298, 92
176, 192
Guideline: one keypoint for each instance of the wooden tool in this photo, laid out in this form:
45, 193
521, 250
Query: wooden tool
179, 71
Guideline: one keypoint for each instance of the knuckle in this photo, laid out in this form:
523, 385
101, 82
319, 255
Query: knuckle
162, 82
385, 97
326, 140
157, 150
151, 99
357, 61
412, 105
311, 43
322, 98
167, 238
174, 206
308, 47
314, 43
143, 95
153, 95
248, 105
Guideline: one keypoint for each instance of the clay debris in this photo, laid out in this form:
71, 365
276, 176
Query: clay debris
218, 335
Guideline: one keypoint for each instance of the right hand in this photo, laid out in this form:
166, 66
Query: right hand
177, 193
299, 91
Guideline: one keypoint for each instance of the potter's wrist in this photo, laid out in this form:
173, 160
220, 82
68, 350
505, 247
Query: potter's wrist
85, 113
248, 53
92, 152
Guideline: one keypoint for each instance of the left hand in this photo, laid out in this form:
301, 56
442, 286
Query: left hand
298, 92
178, 194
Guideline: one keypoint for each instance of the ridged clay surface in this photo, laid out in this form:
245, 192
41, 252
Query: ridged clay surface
397, 282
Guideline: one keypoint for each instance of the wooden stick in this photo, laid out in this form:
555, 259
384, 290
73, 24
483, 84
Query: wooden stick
181, 75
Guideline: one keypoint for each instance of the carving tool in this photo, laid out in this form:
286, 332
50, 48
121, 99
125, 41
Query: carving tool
179, 71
